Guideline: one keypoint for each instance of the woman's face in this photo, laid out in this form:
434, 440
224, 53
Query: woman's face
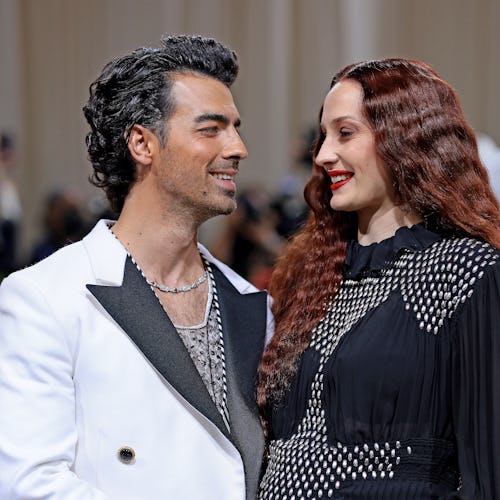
359, 179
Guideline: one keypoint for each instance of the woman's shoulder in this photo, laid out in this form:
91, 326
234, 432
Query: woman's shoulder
466, 253
439, 279
458, 265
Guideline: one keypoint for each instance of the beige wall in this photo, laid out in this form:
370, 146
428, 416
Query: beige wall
50, 50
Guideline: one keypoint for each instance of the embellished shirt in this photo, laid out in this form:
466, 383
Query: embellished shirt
398, 394
204, 342
204, 345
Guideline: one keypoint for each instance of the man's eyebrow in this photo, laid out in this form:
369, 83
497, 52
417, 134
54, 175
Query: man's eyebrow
216, 117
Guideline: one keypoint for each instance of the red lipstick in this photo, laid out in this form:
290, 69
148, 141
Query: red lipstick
339, 178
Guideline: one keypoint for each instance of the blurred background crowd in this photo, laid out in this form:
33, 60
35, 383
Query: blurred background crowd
50, 51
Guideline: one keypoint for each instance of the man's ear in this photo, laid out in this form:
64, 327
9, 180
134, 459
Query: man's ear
142, 144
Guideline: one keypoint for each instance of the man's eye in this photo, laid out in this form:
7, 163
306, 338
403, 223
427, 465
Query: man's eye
209, 130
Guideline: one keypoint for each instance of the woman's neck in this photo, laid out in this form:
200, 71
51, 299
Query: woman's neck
381, 226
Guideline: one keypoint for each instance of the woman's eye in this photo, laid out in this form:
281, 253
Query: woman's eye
345, 132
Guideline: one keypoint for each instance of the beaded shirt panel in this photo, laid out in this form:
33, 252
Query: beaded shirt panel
204, 346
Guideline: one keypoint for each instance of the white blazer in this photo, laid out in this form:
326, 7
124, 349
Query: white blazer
99, 399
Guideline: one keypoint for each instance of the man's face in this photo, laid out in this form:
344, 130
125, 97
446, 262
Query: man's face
200, 160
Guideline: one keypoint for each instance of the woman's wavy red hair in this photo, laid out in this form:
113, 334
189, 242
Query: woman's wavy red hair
425, 142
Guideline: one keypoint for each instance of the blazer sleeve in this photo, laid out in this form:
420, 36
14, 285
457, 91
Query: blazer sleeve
38, 434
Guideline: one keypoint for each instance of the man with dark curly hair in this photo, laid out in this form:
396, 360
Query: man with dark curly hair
128, 360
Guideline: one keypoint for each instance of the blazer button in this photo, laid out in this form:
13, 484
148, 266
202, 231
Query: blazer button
126, 455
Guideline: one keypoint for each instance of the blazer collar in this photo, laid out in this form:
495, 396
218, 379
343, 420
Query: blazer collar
106, 254
244, 318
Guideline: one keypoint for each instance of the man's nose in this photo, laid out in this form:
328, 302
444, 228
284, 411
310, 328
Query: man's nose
235, 147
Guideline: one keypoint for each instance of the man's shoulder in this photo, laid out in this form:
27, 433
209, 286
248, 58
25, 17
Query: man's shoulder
56, 269
74, 262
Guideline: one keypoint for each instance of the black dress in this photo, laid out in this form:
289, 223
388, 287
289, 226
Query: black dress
398, 394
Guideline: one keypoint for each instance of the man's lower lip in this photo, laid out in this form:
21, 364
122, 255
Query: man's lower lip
338, 185
227, 182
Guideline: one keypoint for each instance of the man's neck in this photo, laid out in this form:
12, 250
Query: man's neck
165, 250
167, 253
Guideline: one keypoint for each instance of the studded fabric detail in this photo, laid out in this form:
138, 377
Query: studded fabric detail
307, 467
433, 283
438, 280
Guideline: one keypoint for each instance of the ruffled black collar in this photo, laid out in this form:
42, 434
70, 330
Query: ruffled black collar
365, 259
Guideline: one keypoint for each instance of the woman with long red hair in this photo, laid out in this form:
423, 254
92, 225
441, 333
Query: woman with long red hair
383, 377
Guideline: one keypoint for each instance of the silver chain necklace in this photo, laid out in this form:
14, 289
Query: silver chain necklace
160, 286
181, 289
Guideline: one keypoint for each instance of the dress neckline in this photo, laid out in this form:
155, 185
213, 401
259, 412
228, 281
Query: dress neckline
361, 259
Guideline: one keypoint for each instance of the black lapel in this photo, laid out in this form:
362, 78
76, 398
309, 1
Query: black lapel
136, 309
244, 320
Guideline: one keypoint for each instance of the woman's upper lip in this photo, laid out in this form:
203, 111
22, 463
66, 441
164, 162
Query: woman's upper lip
339, 178
332, 173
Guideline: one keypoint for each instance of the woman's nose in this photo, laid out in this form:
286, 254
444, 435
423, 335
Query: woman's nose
326, 157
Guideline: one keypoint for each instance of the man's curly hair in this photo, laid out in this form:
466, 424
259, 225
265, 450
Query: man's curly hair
136, 89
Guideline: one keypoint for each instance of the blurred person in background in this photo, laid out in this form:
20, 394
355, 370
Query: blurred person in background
63, 223
250, 243
288, 202
490, 156
383, 377
128, 360
10, 207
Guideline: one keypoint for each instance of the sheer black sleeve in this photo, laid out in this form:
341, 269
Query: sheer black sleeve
476, 390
